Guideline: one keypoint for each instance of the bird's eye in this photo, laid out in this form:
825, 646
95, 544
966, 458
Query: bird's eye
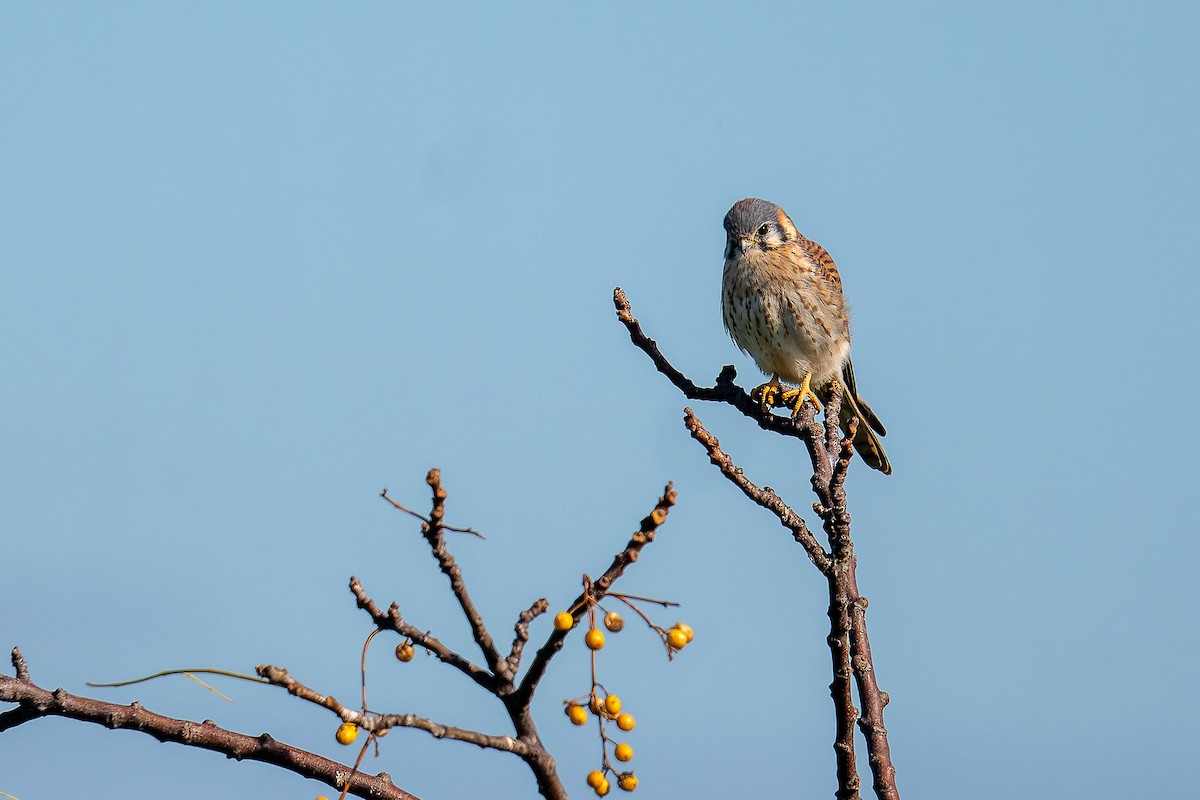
764, 229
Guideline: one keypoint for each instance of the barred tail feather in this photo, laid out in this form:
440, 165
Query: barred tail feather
866, 443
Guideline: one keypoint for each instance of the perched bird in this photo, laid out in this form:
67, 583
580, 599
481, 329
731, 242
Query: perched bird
781, 297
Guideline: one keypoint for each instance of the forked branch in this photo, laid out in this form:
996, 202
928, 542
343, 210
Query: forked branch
498, 675
830, 454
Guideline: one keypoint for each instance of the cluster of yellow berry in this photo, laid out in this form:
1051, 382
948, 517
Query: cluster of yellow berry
679, 636
604, 706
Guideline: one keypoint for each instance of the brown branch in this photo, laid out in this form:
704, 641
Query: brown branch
521, 636
392, 621
821, 443
830, 454
499, 680
379, 724
879, 753
18, 662
17, 716
841, 690
36, 702
433, 531
508, 744
279, 676
642, 537
764, 497
849, 608
852, 609
725, 390
518, 701
841, 466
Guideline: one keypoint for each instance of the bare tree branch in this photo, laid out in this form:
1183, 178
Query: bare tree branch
434, 532
830, 454
841, 690
725, 390
379, 724
392, 621
521, 636
279, 676
439, 731
36, 702
500, 679
764, 497
837, 525
642, 537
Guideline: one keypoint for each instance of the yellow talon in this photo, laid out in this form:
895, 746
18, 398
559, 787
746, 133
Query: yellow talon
768, 395
794, 398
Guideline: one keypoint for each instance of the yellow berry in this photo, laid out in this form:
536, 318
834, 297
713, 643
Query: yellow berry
563, 621
623, 752
576, 714
603, 788
612, 705
613, 621
626, 722
347, 732
627, 781
596, 705
594, 639
594, 778
405, 652
687, 631
676, 639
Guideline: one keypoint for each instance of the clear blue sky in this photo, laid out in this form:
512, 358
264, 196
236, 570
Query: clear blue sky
261, 261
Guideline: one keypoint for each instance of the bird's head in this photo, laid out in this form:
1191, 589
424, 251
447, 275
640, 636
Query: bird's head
754, 224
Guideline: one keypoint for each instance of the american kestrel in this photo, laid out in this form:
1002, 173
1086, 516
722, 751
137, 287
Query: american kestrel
781, 297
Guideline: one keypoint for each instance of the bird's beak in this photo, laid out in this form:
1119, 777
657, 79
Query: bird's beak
737, 245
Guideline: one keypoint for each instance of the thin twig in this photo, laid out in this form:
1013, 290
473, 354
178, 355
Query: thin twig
362, 668
201, 671
423, 518
663, 603
645, 618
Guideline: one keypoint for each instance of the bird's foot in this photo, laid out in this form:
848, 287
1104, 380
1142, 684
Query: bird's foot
769, 395
794, 398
